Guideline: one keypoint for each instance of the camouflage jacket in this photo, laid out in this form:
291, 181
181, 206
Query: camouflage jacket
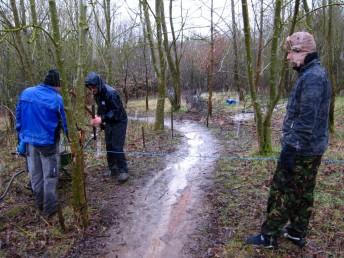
305, 125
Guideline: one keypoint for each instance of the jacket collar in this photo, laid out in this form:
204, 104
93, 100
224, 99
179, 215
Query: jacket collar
310, 60
309, 65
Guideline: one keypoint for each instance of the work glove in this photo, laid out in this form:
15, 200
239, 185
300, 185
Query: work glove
21, 148
288, 157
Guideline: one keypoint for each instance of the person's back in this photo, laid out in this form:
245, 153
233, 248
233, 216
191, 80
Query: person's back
40, 110
39, 116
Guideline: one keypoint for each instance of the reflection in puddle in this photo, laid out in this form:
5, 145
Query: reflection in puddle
182, 168
241, 117
161, 219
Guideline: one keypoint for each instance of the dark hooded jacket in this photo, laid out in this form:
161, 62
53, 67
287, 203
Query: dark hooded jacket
110, 107
305, 126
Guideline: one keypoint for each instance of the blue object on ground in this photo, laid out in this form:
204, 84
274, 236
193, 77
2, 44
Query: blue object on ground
231, 101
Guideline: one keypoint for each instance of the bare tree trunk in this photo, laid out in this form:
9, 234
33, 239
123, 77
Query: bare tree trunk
308, 16
108, 57
176, 57
125, 89
330, 64
144, 54
160, 107
236, 56
253, 90
159, 69
23, 55
284, 79
266, 146
175, 101
211, 64
260, 46
23, 15
37, 55
78, 184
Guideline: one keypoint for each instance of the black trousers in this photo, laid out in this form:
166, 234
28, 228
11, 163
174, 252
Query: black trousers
115, 139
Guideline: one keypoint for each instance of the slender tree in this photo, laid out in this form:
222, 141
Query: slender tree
158, 62
236, 81
22, 51
79, 196
330, 64
172, 64
263, 121
144, 54
160, 107
211, 62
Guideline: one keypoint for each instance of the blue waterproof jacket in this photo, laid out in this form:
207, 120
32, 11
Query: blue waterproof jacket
40, 115
305, 125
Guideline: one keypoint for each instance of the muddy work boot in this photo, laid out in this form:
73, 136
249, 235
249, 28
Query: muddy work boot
296, 240
122, 177
262, 240
110, 172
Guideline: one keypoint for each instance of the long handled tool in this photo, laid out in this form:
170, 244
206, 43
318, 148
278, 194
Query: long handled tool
94, 128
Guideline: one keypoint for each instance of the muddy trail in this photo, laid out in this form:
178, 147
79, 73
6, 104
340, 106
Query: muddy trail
167, 209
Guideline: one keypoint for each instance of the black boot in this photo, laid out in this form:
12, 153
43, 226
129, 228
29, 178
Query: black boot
292, 237
262, 240
122, 176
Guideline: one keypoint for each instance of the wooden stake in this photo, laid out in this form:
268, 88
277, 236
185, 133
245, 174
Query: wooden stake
143, 137
172, 122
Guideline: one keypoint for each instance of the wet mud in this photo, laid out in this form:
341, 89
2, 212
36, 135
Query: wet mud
165, 211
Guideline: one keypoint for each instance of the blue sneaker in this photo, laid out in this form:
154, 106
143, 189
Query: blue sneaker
262, 240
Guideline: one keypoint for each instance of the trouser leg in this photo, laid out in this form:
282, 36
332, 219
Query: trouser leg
36, 174
50, 170
115, 139
277, 214
300, 207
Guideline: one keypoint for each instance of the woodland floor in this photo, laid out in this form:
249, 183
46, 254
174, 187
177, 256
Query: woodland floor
235, 200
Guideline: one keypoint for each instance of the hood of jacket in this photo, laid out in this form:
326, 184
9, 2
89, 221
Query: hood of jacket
94, 79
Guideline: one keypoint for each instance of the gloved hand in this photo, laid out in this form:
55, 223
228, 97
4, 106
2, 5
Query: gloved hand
21, 148
288, 157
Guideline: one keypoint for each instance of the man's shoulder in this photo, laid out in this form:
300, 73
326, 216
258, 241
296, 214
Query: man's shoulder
316, 71
111, 90
29, 91
39, 93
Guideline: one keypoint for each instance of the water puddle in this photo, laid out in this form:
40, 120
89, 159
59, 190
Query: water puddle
165, 210
241, 117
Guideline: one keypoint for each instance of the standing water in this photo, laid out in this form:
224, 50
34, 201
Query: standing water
166, 210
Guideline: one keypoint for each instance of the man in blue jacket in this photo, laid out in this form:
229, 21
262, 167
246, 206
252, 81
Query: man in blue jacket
305, 139
40, 116
112, 117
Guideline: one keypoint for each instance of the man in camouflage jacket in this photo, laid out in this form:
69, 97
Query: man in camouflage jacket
305, 139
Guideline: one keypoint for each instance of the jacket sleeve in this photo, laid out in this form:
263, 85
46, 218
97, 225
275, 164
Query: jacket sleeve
114, 113
310, 98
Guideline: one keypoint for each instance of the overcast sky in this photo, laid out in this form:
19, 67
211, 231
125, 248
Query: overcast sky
196, 12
